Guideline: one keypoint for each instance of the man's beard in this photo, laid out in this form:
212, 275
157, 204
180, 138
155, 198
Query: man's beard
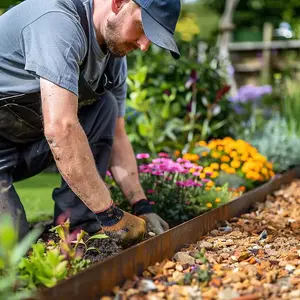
113, 40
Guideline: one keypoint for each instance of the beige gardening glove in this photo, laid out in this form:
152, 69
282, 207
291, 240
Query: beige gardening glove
125, 228
154, 222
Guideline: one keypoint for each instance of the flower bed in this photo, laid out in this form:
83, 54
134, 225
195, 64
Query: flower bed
255, 256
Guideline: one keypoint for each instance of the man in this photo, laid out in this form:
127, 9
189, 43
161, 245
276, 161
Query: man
62, 91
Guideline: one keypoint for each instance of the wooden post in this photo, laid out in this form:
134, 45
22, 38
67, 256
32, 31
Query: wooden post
226, 27
266, 57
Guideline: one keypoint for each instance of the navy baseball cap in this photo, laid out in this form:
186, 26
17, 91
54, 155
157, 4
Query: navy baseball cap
159, 18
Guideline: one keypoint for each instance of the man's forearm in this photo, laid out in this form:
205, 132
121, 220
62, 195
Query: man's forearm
124, 169
75, 161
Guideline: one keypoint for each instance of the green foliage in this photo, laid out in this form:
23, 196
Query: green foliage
43, 267
279, 143
11, 252
251, 13
172, 103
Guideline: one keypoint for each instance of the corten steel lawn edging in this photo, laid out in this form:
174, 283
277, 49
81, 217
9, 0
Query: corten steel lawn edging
100, 278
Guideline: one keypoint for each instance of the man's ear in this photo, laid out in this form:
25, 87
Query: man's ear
116, 5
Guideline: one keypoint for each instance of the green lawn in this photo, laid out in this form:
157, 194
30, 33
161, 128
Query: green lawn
36, 195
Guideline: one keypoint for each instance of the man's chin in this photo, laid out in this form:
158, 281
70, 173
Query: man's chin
116, 53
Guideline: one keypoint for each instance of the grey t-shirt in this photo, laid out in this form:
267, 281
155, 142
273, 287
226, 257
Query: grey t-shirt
44, 38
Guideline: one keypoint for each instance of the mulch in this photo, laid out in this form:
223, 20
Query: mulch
255, 256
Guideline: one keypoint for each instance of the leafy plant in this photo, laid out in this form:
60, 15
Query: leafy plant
279, 143
43, 267
171, 103
11, 253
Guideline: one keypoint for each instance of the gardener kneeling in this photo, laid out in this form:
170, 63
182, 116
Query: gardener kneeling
62, 91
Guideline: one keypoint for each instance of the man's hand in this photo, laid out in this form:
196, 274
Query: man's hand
155, 223
126, 228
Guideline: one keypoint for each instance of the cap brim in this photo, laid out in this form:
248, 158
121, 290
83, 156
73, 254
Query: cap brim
158, 35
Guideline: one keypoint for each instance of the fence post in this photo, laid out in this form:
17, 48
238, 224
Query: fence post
266, 57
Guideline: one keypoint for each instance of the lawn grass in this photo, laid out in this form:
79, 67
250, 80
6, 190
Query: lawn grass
36, 195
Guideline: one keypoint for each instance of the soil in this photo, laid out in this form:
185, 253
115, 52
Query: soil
255, 256
106, 247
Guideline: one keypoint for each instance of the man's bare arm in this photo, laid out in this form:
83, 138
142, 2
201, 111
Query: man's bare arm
123, 165
70, 147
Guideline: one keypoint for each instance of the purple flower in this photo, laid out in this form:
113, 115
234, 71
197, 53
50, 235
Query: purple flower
250, 92
142, 155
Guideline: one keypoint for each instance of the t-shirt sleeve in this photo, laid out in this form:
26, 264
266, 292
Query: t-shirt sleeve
119, 90
54, 45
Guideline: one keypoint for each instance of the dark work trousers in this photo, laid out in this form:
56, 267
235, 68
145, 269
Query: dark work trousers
18, 162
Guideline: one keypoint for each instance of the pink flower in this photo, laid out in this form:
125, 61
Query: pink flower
152, 202
142, 155
163, 154
196, 173
108, 173
150, 191
205, 180
188, 203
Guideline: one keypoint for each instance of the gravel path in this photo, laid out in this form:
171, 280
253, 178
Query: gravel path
256, 256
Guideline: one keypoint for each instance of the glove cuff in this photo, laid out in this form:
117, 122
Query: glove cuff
142, 207
110, 217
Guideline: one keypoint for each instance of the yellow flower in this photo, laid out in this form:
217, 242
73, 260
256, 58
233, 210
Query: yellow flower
264, 171
192, 170
215, 174
218, 200
191, 157
215, 166
202, 143
225, 158
210, 184
220, 148
233, 154
272, 173
207, 188
230, 170
202, 175
218, 189
227, 140
223, 167
208, 204
269, 165
215, 154
204, 153
207, 170
235, 164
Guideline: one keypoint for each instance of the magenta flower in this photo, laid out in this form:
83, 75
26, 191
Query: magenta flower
142, 155
208, 173
163, 154
196, 174
205, 180
150, 191
108, 173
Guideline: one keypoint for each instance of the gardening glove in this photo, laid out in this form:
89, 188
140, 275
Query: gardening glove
155, 223
126, 228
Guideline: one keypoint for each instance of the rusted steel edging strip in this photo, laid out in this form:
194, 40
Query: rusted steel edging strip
99, 279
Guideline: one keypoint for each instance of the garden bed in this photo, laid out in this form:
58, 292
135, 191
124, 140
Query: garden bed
255, 256
95, 280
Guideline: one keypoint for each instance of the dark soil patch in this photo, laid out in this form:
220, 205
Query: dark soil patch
106, 248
